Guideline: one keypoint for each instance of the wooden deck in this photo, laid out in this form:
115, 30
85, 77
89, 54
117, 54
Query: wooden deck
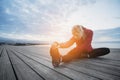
34, 63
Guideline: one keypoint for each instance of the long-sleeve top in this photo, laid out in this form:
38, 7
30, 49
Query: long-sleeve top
81, 44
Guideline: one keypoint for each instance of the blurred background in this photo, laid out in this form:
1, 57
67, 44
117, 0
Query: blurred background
45, 21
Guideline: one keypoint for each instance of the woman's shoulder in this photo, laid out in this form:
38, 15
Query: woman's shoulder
88, 30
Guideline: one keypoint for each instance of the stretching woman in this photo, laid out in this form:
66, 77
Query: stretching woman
83, 38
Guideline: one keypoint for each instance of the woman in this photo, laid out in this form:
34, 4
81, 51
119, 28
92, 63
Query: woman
83, 38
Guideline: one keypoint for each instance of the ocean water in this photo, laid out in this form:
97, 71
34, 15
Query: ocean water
100, 44
106, 44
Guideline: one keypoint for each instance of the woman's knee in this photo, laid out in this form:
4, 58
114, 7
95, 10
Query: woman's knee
99, 52
107, 50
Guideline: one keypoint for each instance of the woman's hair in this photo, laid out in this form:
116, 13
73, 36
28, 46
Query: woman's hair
79, 29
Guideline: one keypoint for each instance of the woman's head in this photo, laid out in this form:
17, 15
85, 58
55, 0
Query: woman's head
78, 31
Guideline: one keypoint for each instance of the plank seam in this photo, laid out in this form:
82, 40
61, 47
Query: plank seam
28, 65
12, 66
1, 52
78, 71
45, 65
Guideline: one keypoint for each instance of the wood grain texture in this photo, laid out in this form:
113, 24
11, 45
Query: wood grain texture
34, 63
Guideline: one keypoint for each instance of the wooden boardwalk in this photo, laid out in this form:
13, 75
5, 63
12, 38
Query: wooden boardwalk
34, 63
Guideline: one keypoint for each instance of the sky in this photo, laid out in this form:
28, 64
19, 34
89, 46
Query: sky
52, 20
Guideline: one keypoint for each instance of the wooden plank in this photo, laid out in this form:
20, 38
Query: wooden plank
38, 50
106, 61
106, 66
1, 50
46, 72
66, 71
107, 72
92, 69
86, 60
98, 60
92, 72
113, 55
23, 71
6, 70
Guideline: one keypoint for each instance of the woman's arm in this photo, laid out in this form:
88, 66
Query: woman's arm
67, 44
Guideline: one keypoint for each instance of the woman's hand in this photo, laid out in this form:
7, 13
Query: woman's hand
56, 44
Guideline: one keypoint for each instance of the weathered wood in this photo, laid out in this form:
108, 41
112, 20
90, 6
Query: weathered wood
94, 70
106, 71
1, 51
6, 70
106, 61
34, 62
114, 55
100, 66
66, 71
46, 72
23, 71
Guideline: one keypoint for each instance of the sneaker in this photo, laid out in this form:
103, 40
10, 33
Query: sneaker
55, 55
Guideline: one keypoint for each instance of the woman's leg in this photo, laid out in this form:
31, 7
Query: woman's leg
73, 54
99, 52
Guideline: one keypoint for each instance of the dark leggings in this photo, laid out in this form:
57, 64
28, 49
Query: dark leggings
99, 52
74, 54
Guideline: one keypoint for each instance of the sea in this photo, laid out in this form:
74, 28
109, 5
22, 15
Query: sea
106, 44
